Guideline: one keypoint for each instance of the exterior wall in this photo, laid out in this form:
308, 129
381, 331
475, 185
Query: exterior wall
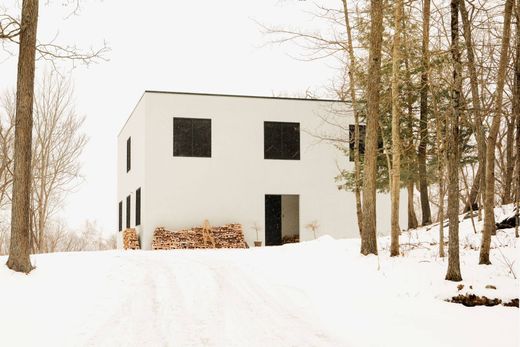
179, 192
129, 182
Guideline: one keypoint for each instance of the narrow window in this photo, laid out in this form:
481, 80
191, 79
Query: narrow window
120, 215
128, 211
191, 137
128, 154
138, 207
281, 140
351, 133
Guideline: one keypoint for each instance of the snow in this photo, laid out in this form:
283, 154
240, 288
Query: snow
317, 293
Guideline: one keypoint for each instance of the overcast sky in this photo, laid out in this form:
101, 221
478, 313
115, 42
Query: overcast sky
193, 46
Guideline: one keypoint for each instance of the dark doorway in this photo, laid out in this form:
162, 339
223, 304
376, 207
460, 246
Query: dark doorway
273, 220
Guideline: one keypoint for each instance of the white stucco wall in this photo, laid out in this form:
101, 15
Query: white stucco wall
230, 186
129, 182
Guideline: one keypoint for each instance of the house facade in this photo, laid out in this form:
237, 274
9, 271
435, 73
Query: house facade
263, 162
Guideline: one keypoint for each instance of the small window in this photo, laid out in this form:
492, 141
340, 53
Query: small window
281, 140
192, 137
128, 211
128, 154
351, 133
120, 215
138, 207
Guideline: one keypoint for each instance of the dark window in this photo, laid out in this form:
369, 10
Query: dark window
281, 140
120, 215
128, 153
191, 137
128, 211
362, 133
138, 207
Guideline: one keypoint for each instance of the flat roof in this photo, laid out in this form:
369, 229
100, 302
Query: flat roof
243, 96
225, 95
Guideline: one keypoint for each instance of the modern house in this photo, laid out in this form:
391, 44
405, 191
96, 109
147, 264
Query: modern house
258, 161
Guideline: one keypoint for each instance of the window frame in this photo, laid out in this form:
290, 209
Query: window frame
128, 154
128, 211
138, 206
204, 136
120, 219
284, 146
351, 139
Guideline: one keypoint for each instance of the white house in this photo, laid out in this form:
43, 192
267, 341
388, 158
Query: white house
186, 157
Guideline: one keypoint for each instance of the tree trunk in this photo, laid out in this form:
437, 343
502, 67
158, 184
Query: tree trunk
489, 196
410, 152
479, 182
357, 163
423, 122
453, 273
516, 114
440, 122
368, 237
412, 218
19, 250
510, 162
396, 130
472, 203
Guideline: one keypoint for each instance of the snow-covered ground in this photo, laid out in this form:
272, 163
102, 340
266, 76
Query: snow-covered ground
318, 293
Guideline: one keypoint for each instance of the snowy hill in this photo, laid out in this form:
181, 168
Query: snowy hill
319, 293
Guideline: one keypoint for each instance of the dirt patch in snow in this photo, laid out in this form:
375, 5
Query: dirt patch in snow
471, 300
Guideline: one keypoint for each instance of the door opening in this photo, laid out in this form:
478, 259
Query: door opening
282, 218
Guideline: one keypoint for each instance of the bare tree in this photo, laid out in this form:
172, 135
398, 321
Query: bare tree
19, 246
516, 112
23, 32
7, 104
423, 124
351, 73
58, 143
368, 236
453, 273
396, 130
479, 182
489, 197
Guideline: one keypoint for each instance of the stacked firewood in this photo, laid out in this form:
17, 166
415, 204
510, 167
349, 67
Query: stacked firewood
226, 236
130, 239
291, 239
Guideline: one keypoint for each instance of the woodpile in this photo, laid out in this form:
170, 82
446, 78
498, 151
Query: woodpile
130, 239
226, 236
290, 239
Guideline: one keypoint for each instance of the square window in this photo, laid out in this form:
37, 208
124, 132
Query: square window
351, 133
191, 137
281, 140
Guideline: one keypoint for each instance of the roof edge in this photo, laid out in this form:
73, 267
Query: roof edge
131, 113
244, 96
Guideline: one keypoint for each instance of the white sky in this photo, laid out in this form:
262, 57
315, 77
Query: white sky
194, 46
